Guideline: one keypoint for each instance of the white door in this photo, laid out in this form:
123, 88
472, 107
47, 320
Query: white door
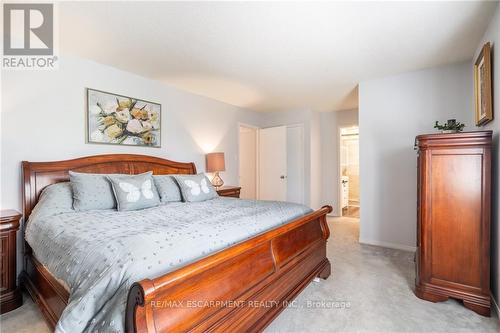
272, 163
295, 164
248, 162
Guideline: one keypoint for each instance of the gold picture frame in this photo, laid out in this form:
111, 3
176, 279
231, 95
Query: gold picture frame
482, 87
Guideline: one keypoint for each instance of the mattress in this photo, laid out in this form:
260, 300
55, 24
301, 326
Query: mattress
99, 254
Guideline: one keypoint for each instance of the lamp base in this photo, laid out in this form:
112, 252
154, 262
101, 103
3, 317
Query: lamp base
217, 181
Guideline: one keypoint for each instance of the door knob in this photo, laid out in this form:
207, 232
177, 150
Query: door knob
282, 177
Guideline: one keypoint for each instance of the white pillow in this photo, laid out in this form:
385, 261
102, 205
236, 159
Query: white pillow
195, 187
134, 192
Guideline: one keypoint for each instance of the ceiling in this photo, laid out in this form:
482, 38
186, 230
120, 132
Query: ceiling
273, 56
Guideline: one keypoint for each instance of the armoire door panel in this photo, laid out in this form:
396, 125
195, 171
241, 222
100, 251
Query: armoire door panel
455, 223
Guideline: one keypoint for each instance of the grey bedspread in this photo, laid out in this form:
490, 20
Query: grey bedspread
99, 254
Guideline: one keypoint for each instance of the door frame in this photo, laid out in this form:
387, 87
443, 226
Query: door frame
339, 170
339, 164
257, 171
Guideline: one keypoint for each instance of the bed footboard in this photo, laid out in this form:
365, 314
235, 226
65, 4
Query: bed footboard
242, 288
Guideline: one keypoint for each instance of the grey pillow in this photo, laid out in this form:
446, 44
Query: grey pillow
167, 188
55, 199
195, 187
91, 191
134, 192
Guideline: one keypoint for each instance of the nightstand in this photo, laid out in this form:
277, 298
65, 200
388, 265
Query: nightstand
10, 296
229, 191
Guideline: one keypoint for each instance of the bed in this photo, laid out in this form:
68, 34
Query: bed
223, 287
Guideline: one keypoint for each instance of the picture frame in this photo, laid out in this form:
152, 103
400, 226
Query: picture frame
122, 120
482, 87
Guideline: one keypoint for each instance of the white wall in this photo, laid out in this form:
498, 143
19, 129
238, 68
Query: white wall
392, 111
248, 162
43, 119
331, 122
492, 35
316, 161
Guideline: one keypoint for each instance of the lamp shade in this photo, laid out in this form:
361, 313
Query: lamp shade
215, 162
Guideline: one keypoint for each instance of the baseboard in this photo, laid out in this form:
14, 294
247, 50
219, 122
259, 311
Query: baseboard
495, 306
388, 245
336, 215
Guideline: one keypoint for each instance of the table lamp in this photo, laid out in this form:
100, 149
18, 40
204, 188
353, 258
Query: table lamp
215, 163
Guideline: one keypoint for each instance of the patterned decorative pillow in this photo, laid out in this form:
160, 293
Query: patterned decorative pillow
134, 192
195, 187
167, 188
91, 191
55, 199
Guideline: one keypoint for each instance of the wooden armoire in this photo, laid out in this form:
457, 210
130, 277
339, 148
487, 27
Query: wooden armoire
454, 211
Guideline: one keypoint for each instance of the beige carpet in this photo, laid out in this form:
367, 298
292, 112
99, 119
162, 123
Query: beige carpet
370, 290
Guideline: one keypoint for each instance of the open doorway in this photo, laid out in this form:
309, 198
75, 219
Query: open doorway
349, 172
248, 169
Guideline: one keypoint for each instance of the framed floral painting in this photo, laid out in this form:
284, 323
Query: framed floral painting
122, 120
482, 86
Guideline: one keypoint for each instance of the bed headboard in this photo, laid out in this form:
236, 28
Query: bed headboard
38, 175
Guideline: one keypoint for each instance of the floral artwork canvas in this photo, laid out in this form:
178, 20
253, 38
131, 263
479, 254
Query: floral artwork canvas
116, 119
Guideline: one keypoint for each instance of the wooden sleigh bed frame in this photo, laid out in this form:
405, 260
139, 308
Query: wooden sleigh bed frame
241, 288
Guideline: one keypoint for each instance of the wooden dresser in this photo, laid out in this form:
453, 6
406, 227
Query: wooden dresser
10, 296
229, 191
453, 228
